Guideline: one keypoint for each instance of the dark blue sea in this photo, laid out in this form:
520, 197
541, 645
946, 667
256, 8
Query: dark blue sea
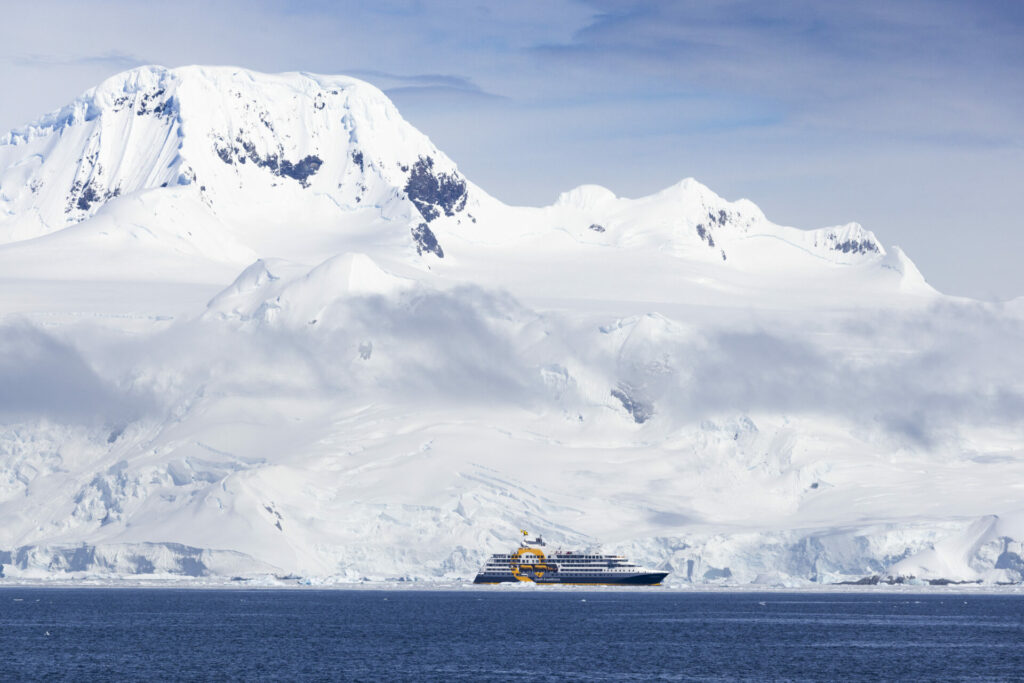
169, 634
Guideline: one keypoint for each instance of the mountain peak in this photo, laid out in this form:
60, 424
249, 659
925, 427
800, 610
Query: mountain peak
230, 165
278, 292
586, 197
248, 145
150, 81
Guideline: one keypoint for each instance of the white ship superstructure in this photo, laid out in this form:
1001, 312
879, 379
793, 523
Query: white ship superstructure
529, 563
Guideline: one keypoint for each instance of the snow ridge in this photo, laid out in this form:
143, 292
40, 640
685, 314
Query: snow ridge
258, 325
227, 134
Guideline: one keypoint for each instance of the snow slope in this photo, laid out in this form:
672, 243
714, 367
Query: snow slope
259, 324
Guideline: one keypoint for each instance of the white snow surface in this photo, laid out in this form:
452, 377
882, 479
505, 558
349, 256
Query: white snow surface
258, 325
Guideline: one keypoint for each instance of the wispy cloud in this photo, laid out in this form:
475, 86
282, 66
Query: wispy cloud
44, 377
918, 376
921, 379
424, 85
419, 80
928, 62
112, 59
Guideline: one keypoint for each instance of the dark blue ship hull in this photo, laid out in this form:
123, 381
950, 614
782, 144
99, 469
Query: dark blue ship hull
645, 579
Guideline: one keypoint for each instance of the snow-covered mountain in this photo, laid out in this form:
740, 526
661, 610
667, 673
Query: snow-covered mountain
259, 324
240, 163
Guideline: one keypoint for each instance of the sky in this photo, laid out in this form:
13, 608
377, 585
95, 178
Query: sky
905, 117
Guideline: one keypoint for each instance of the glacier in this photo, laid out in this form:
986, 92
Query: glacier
258, 325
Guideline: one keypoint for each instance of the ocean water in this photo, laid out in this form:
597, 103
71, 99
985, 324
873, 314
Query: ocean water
509, 635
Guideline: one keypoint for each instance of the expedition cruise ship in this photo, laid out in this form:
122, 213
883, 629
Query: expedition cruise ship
530, 564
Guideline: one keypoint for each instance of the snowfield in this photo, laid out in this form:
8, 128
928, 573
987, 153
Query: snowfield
258, 326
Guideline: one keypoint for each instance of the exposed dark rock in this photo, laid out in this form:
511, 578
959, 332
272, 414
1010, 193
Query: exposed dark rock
640, 410
301, 171
155, 104
721, 217
245, 150
856, 247
705, 235
357, 158
85, 195
426, 241
147, 103
432, 193
596, 228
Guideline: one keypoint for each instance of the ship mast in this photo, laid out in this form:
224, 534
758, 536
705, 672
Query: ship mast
528, 542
